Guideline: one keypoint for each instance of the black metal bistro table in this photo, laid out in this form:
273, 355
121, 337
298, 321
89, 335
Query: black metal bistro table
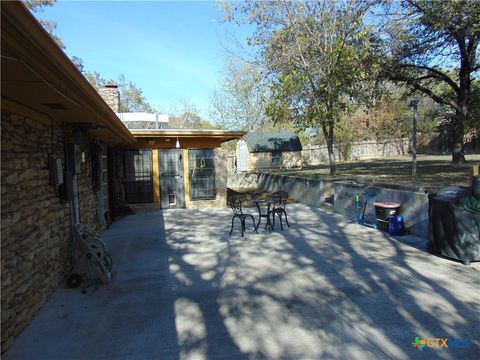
264, 203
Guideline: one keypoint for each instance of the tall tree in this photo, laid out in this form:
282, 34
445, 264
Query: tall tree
432, 43
239, 103
186, 115
132, 98
319, 57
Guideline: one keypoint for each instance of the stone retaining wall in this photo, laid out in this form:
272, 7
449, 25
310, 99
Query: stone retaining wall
318, 154
414, 204
36, 235
309, 192
315, 193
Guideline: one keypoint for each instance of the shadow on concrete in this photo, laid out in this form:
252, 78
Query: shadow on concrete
335, 282
324, 288
391, 294
197, 294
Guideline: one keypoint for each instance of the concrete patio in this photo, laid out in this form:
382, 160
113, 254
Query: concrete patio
184, 289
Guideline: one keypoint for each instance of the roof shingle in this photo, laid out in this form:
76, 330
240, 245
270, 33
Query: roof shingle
272, 141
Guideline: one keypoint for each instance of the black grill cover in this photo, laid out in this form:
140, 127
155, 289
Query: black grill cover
454, 231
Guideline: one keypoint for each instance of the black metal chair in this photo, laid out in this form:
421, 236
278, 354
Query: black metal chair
236, 204
279, 200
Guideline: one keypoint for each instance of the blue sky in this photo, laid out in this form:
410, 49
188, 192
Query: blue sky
173, 51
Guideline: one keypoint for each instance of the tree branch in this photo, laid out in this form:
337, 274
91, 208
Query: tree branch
413, 82
437, 74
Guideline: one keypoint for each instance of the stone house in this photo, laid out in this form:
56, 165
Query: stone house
56, 145
67, 158
266, 150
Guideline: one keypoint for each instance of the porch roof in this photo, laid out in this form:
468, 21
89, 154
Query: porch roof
225, 135
165, 138
41, 82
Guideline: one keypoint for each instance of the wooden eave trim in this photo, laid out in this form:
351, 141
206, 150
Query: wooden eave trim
188, 134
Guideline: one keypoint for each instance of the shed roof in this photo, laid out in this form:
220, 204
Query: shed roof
272, 141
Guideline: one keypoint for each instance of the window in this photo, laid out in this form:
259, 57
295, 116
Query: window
276, 158
201, 168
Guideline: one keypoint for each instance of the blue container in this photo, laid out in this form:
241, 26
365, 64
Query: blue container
396, 226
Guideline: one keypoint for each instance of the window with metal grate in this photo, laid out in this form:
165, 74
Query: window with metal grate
201, 167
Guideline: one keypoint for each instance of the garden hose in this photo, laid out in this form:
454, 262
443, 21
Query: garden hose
472, 204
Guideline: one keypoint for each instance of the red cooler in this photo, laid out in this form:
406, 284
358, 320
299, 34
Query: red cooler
383, 210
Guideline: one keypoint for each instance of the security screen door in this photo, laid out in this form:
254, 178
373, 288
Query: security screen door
138, 176
172, 190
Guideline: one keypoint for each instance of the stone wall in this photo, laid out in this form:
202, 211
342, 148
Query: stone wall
36, 235
263, 160
292, 159
318, 154
309, 192
244, 180
89, 216
221, 174
260, 160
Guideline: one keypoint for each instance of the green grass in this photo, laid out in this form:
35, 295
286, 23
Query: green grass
433, 172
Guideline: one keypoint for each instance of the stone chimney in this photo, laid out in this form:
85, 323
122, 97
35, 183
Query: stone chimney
110, 94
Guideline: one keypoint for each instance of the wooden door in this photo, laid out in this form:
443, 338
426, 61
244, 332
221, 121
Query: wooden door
172, 190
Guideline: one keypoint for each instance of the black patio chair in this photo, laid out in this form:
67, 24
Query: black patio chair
236, 204
279, 200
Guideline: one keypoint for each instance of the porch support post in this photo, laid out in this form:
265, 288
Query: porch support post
186, 177
156, 177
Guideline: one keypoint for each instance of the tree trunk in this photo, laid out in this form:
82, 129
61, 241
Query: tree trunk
328, 134
331, 157
463, 99
458, 151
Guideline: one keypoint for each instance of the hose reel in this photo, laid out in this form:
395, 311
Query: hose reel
92, 261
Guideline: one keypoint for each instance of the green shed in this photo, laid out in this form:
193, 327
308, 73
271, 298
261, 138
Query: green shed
262, 150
